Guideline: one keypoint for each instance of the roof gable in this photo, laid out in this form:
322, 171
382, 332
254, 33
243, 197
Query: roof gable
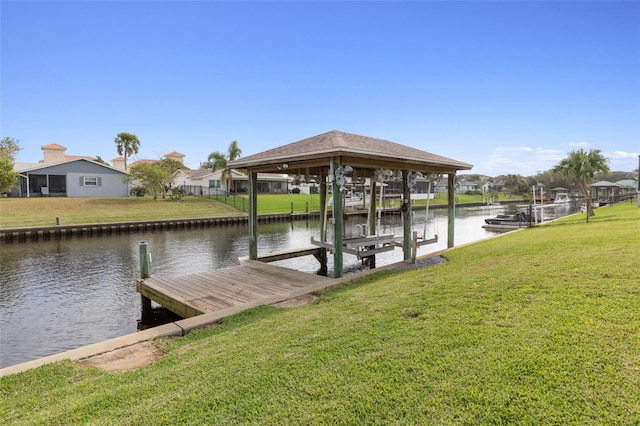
42, 166
372, 151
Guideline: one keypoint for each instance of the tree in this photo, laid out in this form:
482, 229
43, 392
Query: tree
127, 144
511, 183
582, 166
171, 165
151, 176
8, 177
219, 161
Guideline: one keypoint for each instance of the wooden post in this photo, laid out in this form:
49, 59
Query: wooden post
372, 209
406, 216
323, 225
338, 224
145, 302
253, 215
323, 210
371, 226
144, 260
451, 192
414, 246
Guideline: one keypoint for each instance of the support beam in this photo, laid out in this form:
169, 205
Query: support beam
322, 256
323, 209
253, 215
338, 224
406, 216
372, 208
451, 202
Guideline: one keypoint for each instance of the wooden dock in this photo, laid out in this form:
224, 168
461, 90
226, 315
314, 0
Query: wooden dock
205, 292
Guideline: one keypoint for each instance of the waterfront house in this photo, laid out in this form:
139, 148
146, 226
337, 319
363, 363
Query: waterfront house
207, 182
79, 177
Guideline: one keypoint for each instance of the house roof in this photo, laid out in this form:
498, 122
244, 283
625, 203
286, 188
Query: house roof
54, 146
174, 154
142, 161
355, 150
628, 182
33, 167
605, 184
195, 173
75, 157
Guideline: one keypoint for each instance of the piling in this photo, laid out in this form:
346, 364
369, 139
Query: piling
145, 302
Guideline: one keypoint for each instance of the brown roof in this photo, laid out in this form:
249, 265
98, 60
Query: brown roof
196, 173
75, 157
141, 162
174, 154
357, 151
54, 146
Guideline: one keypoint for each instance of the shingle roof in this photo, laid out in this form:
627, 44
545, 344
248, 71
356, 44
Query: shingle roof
196, 173
363, 150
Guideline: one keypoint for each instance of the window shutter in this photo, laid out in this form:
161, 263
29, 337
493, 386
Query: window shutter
99, 181
81, 180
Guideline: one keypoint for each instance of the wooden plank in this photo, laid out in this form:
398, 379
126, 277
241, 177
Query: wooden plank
287, 254
169, 301
209, 291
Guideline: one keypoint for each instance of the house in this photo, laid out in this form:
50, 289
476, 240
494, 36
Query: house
78, 177
207, 182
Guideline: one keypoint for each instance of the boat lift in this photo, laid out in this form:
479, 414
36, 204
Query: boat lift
367, 244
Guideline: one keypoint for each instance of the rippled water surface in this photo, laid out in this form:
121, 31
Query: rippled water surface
60, 294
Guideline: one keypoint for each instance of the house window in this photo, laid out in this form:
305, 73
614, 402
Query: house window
90, 181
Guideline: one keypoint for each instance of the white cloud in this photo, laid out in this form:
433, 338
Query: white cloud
522, 160
579, 144
622, 154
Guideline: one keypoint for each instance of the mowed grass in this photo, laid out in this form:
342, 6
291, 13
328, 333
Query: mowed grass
540, 326
37, 211
25, 212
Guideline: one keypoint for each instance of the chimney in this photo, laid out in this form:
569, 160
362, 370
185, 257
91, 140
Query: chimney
118, 163
53, 153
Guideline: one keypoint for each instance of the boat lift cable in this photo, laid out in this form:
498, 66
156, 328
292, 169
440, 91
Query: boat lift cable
426, 213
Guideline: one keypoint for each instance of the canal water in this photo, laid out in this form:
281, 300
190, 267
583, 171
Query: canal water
60, 294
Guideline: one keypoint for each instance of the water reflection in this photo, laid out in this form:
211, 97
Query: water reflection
64, 293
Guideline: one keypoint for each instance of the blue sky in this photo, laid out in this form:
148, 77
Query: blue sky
508, 86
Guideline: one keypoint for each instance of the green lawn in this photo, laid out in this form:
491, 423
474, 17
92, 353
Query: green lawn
26, 212
539, 326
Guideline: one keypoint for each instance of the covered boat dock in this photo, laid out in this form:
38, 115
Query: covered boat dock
332, 159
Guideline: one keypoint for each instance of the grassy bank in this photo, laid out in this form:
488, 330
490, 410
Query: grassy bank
25, 212
540, 326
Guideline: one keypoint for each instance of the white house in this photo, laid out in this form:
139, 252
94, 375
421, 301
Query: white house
207, 182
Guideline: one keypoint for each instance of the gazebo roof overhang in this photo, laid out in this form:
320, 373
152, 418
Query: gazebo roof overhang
360, 152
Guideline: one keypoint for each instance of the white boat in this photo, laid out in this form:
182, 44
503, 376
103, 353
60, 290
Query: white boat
561, 197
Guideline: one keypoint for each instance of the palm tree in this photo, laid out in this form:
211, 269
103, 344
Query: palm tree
582, 166
127, 144
219, 161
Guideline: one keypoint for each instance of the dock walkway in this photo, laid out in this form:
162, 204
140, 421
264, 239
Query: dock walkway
205, 292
